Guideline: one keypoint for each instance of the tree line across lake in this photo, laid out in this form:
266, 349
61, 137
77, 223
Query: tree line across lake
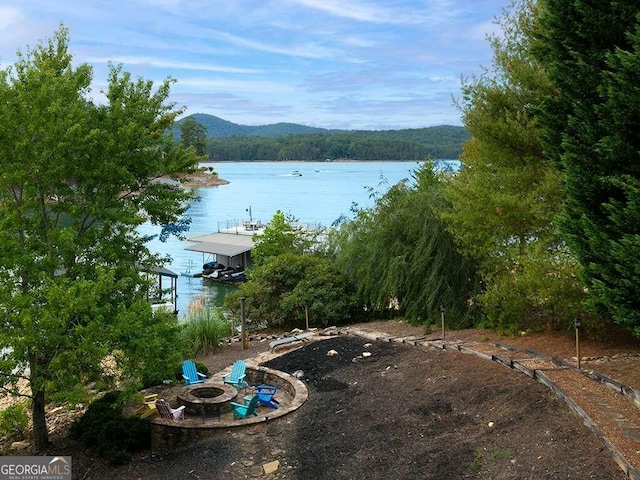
287, 143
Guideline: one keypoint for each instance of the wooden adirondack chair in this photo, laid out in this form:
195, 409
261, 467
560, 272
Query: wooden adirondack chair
165, 410
148, 407
190, 374
247, 408
265, 395
237, 375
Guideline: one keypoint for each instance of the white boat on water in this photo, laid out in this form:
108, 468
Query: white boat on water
296, 173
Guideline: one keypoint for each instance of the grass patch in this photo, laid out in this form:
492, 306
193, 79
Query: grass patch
481, 453
477, 458
204, 328
500, 454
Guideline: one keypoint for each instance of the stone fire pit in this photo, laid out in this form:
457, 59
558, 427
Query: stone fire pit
207, 399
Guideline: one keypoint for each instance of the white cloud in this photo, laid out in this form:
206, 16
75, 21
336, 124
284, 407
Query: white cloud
355, 63
263, 87
169, 64
306, 50
429, 12
9, 17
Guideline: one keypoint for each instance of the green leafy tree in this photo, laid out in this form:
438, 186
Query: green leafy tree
284, 285
401, 257
590, 52
505, 199
77, 180
282, 234
193, 134
287, 278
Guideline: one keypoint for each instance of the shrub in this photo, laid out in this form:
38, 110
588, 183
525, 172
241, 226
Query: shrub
202, 368
285, 289
14, 422
112, 436
151, 379
204, 328
170, 341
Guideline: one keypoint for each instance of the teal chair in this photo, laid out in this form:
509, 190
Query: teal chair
190, 375
237, 375
246, 409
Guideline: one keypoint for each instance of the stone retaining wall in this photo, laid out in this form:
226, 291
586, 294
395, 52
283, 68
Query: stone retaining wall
170, 434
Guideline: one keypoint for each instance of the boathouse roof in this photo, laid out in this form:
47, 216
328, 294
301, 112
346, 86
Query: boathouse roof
228, 244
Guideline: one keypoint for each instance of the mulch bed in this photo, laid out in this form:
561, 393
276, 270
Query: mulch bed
409, 413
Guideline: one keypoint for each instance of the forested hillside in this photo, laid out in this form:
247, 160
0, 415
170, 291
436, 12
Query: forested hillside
227, 141
217, 127
325, 147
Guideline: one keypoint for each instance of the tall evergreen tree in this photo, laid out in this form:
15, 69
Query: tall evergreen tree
193, 134
505, 199
590, 53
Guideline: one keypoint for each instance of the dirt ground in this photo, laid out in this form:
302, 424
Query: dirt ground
404, 412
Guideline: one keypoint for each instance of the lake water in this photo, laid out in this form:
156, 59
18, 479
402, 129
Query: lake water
321, 194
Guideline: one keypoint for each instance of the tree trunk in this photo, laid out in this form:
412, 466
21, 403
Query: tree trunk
40, 432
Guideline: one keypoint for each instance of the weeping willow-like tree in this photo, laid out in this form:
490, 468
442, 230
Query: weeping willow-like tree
402, 259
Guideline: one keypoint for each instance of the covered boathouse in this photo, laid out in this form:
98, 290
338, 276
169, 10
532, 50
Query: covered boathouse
229, 249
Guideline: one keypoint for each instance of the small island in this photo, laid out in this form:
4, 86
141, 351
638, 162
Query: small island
202, 178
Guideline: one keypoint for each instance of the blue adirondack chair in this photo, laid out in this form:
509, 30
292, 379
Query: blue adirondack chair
247, 408
265, 395
237, 375
190, 374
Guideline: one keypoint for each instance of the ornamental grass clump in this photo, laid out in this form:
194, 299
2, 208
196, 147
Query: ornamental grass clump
204, 328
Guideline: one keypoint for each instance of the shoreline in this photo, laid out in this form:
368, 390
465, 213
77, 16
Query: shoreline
201, 179
346, 160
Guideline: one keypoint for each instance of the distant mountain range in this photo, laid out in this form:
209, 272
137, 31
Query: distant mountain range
217, 127
443, 141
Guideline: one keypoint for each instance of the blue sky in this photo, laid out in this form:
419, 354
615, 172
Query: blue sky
352, 64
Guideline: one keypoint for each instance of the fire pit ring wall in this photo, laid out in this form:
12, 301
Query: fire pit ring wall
213, 404
207, 398
168, 435
268, 376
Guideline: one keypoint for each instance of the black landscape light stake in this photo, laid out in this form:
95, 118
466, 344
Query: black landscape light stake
576, 323
442, 319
